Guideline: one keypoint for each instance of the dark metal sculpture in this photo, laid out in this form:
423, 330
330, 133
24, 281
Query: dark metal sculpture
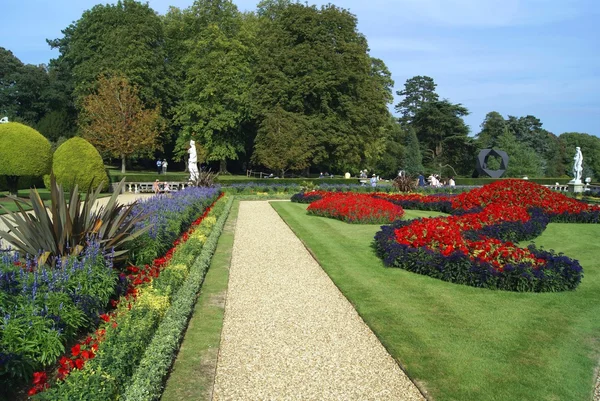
482, 163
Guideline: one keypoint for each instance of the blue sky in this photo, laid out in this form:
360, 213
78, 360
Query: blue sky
517, 57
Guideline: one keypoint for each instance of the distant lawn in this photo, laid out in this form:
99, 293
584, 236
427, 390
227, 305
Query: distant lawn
464, 343
24, 194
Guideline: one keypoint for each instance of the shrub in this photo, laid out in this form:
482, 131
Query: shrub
23, 152
77, 162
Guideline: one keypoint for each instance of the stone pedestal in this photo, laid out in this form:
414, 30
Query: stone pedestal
576, 187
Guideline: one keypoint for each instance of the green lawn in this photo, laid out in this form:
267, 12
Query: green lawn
463, 343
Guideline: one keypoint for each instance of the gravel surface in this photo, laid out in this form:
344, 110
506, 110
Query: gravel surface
289, 333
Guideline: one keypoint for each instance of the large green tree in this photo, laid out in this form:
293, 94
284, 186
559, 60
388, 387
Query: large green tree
413, 159
438, 124
217, 76
284, 142
417, 91
523, 160
21, 89
492, 128
125, 38
313, 62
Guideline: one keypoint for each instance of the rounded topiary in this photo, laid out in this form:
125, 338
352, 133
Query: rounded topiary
23, 152
78, 162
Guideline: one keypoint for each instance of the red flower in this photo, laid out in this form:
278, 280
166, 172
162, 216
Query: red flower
76, 350
105, 317
79, 363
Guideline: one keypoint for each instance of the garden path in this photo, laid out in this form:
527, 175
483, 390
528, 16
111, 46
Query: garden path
288, 332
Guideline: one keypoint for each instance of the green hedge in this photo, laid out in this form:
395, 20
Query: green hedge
483, 181
77, 162
25, 182
147, 382
23, 151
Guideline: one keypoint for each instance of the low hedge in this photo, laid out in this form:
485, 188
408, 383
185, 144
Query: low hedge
148, 380
539, 180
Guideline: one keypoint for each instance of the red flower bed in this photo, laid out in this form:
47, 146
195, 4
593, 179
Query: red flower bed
521, 193
356, 208
472, 248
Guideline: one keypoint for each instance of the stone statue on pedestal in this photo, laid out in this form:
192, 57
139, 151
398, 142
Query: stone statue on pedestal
577, 166
193, 162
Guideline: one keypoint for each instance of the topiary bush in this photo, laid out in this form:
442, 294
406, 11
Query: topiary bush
77, 162
23, 152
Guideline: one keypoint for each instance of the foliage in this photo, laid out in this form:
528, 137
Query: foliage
405, 183
167, 217
590, 147
205, 178
45, 307
217, 75
438, 122
125, 38
21, 89
522, 160
284, 141
417, 91
56, 124
66, 227
123, 340
356, 208
77, 162
115, 120
395, 152
313, 62
148, 380
16, 141
413, 159
492, 128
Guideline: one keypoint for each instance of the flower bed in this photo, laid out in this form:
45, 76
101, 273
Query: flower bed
475, 247
44, 307
117, 347
356, 208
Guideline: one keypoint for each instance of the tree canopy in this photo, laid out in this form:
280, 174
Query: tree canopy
115, 120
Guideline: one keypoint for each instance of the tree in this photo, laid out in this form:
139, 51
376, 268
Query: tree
214, 100
114, 120
417, 91
391, 160
590, 148
436, 124
24, 152
492, 128
413, 160
284, 141
125, 38
313, 62
21, 89
523, 161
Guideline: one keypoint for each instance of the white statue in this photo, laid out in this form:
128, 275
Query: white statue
577, 166
3, 120
193, 162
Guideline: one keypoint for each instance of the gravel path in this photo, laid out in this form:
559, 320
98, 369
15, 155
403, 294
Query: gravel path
288, 332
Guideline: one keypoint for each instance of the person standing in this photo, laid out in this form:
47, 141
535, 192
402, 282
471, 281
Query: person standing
164, 166
158, 166
156, 187
373, 181
451, 182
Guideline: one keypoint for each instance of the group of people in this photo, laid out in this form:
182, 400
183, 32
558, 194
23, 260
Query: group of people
161, 166
158, 188
435, 181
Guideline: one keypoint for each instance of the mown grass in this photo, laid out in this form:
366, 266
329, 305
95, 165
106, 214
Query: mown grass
193, 372
464, 343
